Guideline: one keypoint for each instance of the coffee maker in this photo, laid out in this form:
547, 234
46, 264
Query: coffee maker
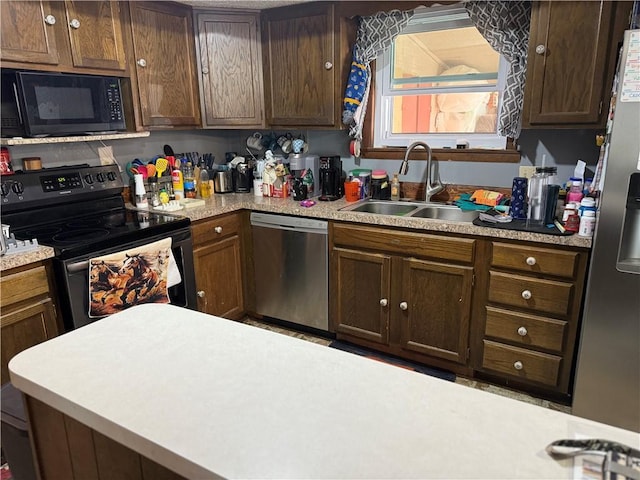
330, 178
242, 176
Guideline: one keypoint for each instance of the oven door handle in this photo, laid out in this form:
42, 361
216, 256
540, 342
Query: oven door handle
77, 267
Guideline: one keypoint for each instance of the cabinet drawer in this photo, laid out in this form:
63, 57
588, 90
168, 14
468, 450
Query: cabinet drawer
405, 243
216, 228
548, 296
534, 260
23, 285
521, 363
525, 330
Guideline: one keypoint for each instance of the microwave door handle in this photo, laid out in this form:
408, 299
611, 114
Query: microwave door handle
15, 94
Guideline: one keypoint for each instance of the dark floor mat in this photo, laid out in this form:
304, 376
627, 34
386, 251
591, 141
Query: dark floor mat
364, 352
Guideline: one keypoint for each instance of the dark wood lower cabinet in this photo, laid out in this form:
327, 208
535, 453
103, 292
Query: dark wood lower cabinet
67, 449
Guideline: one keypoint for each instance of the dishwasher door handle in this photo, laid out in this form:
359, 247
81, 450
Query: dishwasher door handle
301, 229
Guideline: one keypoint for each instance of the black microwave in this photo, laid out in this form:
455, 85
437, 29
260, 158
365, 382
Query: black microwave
36, 104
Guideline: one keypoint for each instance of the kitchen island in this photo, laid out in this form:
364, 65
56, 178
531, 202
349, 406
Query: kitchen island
207, 397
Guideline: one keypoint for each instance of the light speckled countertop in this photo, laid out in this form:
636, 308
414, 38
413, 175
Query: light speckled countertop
225, 203
249, 403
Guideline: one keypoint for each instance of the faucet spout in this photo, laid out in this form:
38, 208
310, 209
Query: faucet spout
429, 189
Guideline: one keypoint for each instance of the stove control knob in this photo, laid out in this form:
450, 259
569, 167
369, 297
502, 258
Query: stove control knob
100, 177
5, 189
88, 178
111, 176
18, 187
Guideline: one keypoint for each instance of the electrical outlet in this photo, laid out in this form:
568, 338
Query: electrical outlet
106, 155
527, 172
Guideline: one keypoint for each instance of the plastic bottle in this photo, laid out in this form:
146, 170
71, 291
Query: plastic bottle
587, 203
140, 192
177, 183
587, 223
395, 187
574, 194
205, 191
189, 180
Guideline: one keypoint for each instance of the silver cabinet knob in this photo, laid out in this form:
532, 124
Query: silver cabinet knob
142, 62
200, 293
403, 305
540, 49
522, 331
205, 70
218, 229
526, 294
518, 365
383, 302
531, 261
75, 23
328, 65
50, 20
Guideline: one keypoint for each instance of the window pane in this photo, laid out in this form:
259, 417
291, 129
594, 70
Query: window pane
451, 58
445, 113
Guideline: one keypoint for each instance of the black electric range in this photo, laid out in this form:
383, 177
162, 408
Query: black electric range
77, 209
80, 212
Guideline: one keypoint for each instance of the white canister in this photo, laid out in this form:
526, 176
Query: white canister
587, 223
257, 187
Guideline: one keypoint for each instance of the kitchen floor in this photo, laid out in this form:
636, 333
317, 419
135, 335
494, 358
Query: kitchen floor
487, 387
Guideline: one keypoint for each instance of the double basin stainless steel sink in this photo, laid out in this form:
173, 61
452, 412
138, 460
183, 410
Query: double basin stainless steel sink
437, 211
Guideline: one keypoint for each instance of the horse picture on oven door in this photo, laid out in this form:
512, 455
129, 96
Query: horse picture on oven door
131, 277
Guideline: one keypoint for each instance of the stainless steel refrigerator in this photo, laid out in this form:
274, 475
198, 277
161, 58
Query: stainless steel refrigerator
607, 382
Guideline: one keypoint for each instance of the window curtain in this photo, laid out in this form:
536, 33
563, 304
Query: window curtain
505, 26
375, 35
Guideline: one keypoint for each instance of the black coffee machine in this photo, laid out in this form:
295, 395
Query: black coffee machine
330, 178
242, 176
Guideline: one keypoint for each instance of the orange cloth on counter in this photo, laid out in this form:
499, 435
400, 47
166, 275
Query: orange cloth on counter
487, 197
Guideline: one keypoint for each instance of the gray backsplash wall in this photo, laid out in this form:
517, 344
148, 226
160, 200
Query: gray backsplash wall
562, 147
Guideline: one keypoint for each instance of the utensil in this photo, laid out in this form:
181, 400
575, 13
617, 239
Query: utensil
168, 151
161, 166
151, 169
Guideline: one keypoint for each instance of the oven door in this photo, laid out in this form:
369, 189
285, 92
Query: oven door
73, 277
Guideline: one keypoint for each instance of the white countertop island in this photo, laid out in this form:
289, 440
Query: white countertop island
208, 398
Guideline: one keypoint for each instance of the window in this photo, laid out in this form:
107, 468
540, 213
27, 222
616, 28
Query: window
440, 82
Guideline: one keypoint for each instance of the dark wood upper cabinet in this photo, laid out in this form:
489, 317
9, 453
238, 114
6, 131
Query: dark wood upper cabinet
70, 36
37, 18
304, 51
165, 65
571, 60
230, 69
95, 32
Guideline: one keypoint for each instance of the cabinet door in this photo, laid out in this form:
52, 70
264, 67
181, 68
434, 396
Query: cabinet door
95, 32
362, 285
567, 62
25, 328
28, 32
230, 70
299, 77
435, 308
218, 270
165, 64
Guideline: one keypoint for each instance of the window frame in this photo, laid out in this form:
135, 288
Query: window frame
507, 154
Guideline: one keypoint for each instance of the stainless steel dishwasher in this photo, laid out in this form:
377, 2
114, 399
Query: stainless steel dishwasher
290, 259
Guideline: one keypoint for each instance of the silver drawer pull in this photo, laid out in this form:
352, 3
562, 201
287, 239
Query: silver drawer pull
403, 305
50, 20
540, 49
518, 365
218, 229
526, 294
200, 293
522, 331
383, 302
531, 261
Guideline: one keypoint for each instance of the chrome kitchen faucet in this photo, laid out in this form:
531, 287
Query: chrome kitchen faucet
429, 190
